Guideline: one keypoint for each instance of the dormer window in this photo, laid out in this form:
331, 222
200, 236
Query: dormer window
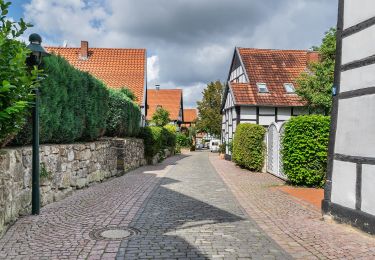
262, 87
289, 88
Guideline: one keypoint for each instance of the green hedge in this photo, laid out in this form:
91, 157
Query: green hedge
305, 148
73, 105
157, 138
182, 140
249, 146
124, 116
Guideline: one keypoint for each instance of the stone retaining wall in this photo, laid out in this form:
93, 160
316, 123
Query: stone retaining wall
63, 168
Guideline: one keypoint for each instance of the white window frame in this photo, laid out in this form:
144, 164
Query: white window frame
265, 86
289, 84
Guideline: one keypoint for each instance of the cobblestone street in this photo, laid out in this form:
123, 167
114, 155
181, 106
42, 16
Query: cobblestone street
183, 209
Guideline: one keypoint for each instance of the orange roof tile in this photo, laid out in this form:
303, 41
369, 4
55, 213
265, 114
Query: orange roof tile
169, 99
275, 68
190, 115
115, 67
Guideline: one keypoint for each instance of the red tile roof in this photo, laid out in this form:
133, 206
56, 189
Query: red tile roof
190, 115
169, 99
115, 67
275, 68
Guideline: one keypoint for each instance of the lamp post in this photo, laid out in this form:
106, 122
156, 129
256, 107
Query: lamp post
35, 58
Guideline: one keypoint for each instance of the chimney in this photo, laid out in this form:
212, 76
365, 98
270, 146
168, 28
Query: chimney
157, 87
84, 55
312, 56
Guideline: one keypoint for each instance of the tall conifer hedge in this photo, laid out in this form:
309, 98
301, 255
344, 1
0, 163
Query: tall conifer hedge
75, 106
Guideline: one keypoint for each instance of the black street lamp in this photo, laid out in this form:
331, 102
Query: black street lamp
35, 58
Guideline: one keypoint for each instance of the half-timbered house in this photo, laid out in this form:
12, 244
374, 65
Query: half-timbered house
261, 87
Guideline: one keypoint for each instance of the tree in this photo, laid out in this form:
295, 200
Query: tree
161, 117
16, 81
315, 86
209, 120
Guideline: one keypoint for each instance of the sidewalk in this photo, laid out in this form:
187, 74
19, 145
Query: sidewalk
295, 225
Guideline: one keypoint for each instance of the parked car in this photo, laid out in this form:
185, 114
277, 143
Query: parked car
214, 145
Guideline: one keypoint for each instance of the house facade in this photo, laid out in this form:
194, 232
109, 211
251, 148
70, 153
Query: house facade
169, 99
349, 194
116, 67
261, 88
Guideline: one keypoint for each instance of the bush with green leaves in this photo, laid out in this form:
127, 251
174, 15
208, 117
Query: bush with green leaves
16, 80
182, 140
151, 136
249, 146
124, 116
169, 136
304, 149
156, 139
160, 117
73, 105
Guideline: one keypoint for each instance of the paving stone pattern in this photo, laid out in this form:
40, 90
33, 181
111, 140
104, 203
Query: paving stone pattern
192, 215
181, 208
296, 226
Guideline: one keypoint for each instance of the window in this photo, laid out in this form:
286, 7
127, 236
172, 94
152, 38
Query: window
289, 88
262, 88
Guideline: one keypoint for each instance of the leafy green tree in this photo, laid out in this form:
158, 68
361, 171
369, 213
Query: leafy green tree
161, 117
16, 81
315, 86
209, 120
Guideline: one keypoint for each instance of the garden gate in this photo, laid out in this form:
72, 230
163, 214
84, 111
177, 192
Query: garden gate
274, 163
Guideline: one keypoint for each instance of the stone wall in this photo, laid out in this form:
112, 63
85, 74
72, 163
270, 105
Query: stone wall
63, 168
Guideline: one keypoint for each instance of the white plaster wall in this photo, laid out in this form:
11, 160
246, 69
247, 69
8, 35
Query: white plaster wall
234, 113
229, 101
362, 44
266, 120
357, 11
343, 183
355, 133
248, 113
266, 110
284, 113
358, 78
368, 190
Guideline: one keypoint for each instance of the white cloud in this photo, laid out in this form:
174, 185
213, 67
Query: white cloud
191, 42
153, 69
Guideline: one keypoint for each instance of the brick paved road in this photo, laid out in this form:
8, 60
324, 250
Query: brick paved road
182, 209
296, 226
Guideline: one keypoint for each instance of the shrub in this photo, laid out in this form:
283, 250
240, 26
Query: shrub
73, 105
127, 92
151, 136
169, 136
156, 139
249, 146
124, 116
182, 140
222, 148
16, 83
304, 149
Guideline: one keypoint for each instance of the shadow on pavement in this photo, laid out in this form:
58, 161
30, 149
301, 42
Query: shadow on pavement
164, 216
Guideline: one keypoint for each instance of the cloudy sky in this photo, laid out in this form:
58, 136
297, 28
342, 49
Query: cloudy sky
189, 42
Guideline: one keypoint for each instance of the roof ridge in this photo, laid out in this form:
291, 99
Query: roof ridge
263, 49
96, 48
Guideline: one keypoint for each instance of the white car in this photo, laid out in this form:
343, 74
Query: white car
214, 145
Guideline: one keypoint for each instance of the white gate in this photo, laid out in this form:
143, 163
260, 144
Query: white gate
274, 162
